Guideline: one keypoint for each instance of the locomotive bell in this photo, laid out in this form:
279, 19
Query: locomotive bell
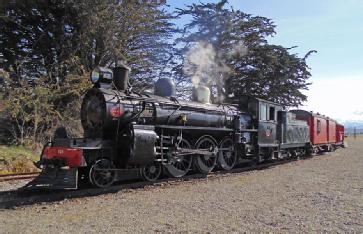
164, 87
201, 94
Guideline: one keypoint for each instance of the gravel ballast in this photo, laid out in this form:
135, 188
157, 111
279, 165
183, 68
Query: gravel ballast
320, 194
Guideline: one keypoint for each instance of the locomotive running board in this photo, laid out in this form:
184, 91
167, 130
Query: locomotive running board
194, 128
55, 178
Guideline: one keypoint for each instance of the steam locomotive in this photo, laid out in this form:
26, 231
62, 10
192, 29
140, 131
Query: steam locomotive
157, 133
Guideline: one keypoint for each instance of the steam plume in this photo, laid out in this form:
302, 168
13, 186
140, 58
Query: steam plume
206, 66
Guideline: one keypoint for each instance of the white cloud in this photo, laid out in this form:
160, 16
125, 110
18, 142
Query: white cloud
339, 98
358, 112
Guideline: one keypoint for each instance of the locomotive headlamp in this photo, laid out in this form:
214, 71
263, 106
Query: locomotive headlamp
101, 75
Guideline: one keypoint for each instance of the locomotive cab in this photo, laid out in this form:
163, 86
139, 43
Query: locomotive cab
264, 118
264, 125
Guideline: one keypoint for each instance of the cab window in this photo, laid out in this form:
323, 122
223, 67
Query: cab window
263, 111
272, 113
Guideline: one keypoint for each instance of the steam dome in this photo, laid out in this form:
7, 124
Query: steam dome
164, 87
201, 94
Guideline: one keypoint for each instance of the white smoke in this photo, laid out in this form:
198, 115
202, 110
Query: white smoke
238, 49
201, 64
206, 66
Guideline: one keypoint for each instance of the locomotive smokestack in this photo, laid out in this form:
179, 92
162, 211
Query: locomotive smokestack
121, 76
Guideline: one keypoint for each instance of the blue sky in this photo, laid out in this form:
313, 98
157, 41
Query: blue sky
332, 27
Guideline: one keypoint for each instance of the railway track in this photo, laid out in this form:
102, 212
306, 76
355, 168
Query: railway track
18, 176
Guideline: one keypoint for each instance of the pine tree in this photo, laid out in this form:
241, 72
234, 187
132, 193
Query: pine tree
48, 48
56, 38
255, 67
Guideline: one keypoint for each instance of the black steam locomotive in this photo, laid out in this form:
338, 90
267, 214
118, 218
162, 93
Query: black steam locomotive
156, 133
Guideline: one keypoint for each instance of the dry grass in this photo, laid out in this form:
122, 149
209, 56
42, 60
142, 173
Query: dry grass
17, 159
351, 138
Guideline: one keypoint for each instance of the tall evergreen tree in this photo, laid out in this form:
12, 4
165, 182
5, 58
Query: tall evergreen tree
48, 48
262, 70
138, 33
271, 72
55, 38
34, 37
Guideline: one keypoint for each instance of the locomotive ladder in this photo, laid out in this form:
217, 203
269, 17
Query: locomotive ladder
162, 147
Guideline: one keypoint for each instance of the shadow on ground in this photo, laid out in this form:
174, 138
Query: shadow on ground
17, 198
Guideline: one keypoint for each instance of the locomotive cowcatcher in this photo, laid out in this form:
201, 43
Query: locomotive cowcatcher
157, 133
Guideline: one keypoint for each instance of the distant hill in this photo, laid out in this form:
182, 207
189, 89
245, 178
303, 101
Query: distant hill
350, 125
353, 124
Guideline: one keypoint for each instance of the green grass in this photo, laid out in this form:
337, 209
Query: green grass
8, 152
17, 159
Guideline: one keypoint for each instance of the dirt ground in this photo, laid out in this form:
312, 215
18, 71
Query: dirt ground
319, 195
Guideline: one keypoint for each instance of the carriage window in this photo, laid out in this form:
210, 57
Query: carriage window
263, 112
318, 126
272, 113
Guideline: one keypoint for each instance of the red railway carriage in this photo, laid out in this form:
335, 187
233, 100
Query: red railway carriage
322, 130
339, 134
318, 126
332, 125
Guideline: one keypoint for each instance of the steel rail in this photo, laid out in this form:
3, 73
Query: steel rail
18, 176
